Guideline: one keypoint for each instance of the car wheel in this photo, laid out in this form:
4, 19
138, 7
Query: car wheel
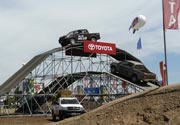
134, 79
61, 116
113, 70
156, 83
93, 39
72, 41
53, 116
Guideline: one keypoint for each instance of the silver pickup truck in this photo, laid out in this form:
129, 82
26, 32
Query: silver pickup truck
133, 71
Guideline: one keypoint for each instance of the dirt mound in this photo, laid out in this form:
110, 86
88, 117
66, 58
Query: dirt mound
156, 107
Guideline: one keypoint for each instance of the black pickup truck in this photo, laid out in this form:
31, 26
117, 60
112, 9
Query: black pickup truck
78, 36
133, 71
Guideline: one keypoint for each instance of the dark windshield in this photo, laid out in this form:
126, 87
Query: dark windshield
70, 33
69, 101
141, 68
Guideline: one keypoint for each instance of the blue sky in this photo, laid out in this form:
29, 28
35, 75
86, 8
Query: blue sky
30, 27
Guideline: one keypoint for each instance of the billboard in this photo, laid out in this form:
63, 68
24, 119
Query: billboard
99, 47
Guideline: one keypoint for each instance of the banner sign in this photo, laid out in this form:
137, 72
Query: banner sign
93, 90
99, 47
171, 11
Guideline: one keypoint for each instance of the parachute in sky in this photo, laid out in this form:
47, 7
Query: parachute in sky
137, 23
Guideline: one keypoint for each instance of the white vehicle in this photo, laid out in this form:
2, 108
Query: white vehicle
65, 107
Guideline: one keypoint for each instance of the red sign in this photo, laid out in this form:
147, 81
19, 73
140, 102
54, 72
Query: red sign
99, 47
171, 11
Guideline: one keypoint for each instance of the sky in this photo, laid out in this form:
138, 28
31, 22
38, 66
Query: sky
31, 27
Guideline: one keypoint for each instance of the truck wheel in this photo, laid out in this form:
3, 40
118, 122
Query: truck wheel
156, 83
113, 70
61, 117
93, 39
134, 79
72, 41
53, 116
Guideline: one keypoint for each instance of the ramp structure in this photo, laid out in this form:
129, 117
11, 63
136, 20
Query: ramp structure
25, 70
32, 87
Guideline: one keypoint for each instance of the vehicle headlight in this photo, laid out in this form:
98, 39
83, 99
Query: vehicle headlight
81, 109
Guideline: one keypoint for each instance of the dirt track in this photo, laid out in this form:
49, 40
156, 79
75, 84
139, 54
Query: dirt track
159, 107
25, 120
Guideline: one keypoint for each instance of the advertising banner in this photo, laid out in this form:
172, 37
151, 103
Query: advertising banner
99, 47
37, 87
171, 11
93, 90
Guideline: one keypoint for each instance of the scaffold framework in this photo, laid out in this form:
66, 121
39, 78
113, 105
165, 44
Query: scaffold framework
88, 77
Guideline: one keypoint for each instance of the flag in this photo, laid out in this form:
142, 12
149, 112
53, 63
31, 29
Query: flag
139, 46
170, 12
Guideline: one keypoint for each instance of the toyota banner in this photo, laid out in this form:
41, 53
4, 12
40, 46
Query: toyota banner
99, 47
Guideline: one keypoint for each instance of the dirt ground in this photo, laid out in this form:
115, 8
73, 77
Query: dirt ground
25, 120
157, 107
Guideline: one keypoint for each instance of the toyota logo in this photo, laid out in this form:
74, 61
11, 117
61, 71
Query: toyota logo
91, 46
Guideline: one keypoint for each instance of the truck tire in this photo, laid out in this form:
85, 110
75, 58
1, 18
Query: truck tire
113, 70
93, 39
53, 116
72, 41
61, 116
134, 78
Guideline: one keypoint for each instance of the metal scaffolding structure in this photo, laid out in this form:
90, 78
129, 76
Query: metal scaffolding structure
31, 89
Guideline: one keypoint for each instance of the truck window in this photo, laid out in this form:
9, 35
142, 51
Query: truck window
69, 101
124, 63
76, 32
141, 68
130, 65
84, 31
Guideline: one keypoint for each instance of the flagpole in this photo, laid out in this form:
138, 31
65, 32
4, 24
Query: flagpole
164, 35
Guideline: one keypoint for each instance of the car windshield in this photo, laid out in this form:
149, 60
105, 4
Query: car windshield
69, 101
141, 68
69, 34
